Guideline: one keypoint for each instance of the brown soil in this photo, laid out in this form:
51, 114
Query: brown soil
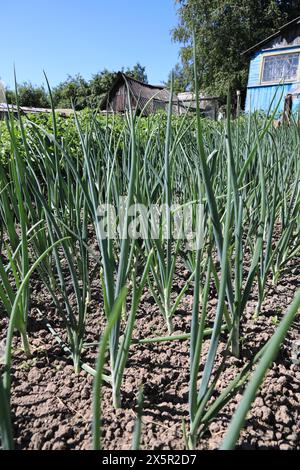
52, 405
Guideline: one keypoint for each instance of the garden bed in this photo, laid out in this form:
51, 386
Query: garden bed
52, 406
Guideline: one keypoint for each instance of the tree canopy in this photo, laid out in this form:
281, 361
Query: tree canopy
181, 79
224, 29
29, 95
75, 90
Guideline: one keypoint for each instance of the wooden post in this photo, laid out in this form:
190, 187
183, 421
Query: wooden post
238, 103
287, 111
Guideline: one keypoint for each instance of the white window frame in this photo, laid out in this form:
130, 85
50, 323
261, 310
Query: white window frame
274, 54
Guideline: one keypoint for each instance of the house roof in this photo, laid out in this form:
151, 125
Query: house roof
269, 38
5, 108
134, 82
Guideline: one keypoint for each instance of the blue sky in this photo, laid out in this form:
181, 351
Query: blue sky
85, 36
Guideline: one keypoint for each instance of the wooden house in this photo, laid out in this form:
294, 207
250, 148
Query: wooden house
274, 76
127, 92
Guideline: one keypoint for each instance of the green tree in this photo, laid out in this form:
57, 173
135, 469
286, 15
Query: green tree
181, 79
29, 95
138, 72
100, 83
73, 91
224, 29
10, 96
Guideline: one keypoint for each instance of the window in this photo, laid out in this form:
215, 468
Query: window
281, 67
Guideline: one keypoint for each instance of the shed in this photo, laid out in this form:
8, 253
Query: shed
209, 105
275, 70
143, 97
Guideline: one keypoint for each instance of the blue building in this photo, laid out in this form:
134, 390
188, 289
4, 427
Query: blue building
275, 70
